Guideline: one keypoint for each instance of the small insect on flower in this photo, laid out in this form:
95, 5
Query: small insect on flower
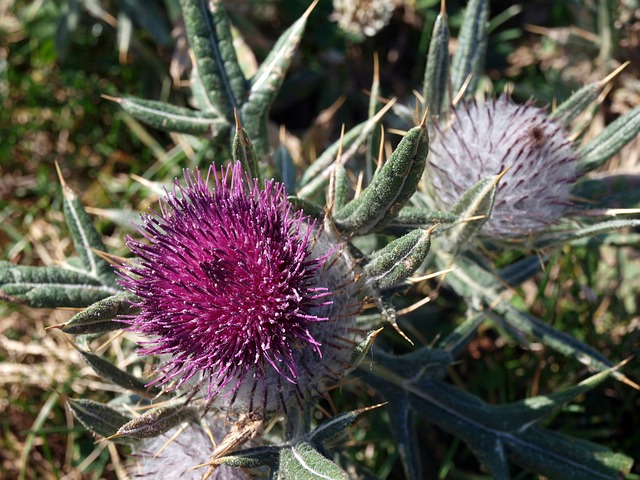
240, 290
483, 140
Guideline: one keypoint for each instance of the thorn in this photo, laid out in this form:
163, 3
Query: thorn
182, 428
376, 68
57, 326
431, 275
113, 259
423, 123
418, 96
237, 118
359, 184
310, 9
62, 182
613, 74
397, 131
502, 174
463, 89
112, 99
401, 333
415, 306
367, 409
380, 149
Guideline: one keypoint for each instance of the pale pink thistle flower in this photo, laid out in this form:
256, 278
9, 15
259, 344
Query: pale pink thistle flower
241, 290
483, 140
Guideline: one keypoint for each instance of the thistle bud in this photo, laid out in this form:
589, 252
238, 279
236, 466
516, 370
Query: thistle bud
479, 141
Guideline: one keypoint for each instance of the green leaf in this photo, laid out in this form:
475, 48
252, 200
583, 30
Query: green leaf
496, 433
86, 239
97, 417
521, 270
302, 461
217, 66
171, 118
561, 238
436, 74
390, 188
50, 287
108, 371
456, 341
100, 317
398, 260
267, 81
610, 141
577, 103
476, 284
468, 59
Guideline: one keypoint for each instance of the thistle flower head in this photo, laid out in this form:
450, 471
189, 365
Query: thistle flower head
483, 140
242, 291
360, 18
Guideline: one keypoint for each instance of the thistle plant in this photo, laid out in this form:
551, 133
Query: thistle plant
259, 287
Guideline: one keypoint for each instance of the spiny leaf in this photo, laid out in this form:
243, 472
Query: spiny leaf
561, 238
609, 142
335, 427
578, 102
101, 316
390, 188
86, 239
50, 287
493, 432
217, 66
436, 74
108, 371
171, 118
468, 59
267, 81
101, 419
472, 281
456, 341
302, 461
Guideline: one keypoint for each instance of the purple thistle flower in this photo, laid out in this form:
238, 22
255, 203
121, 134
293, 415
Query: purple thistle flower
484, 140
237, 287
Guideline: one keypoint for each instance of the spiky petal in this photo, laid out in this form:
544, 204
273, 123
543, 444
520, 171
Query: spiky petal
484, 140
233, 288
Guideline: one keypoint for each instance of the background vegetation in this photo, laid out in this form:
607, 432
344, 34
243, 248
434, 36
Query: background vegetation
58, 59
